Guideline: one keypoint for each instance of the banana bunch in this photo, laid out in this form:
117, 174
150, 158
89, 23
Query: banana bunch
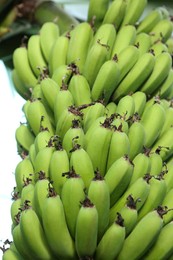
96, 148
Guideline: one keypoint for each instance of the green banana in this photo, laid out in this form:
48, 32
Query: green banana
56, 232
126, 36
151, 225
15, 205
138, 74
8, 253
118, 178
27, 192
169, 44
158, 48
72, 194
110, 109
19, 85
166, 86
32, 154
42, 139
81, 162
86, 229
24, 72
49, 32
80, 38
134, 11
143, 42
156, 162
24, 137
98, 193
168, 176
58, 53
126, 106
115, 13
118, 147
112, 241
167, 202
63, 73
140, 100
35, 55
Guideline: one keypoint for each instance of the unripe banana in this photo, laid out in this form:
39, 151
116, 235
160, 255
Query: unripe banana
58, 53
80, 89
136, 137
30, 224
143, 42
97, 11
37, 117
126, 106
112, 241
162, 30
97, 55
167, 202
9, 254
20, 56
158, 47
166, 86
86, 229
118, 178
59, 163
55, 227
151, 225
80, 38
140, 100
121, 121
139, 190
115, 13
49, 32
75, 134
20, 86
63, 73
98, 193
169, 44
156, 162
50, 89
142, 165
110, 108
126, 36
162, 248
72, 194
168, 176
24, 169
15, 205
24, 137
32, 154
134, 11
81, 162
106, 81
152, 122
28, 192
42, 139
35, 55
119, 146
136, 76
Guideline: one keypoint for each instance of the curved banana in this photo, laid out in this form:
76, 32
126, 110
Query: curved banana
15, 205
126, 106
63, 74
42, 139
32, 154
28, 192
98, 193
169, 44
71, 195
158, 47
19, 85
107, 248
143, 42
118, 178
167, 202
140, 100
86, 229
24, 137
49, 32
156, 162
110, 108
168, 176
166, 86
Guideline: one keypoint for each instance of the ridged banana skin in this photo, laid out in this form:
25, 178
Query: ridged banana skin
136, 76
19, 85
24, 169
147, 23
58, 53
136, 137
140, 100
111, 242
42, 139
155, 196
115, 13
143, 42
97, 11
138, 190
59, 163
134, 11
24, 136
28, 193
152, 122
126, 107
151, 225
24, 71
35, 55
72, 194
81, 162
156, 163
166, 86
162, 248
37, 245
37, 117
80, 90
49, 32
106, 81
167, 201
126, 36
163, 63
96, 56
142, 165
50, 89
162, 30
56, 230
98, 193
118, 178
119, 146
86, 231
80, 38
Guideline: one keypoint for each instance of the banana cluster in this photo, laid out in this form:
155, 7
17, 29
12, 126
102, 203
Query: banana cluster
95, 176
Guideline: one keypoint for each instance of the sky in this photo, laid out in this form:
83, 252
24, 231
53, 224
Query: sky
10, 117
